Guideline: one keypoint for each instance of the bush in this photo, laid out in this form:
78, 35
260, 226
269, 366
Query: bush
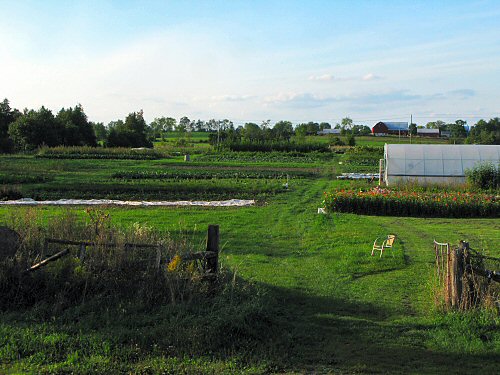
484, 176
351, 141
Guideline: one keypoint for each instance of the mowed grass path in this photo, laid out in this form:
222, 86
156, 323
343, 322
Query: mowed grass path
345, 311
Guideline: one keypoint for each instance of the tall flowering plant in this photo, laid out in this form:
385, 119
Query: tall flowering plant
380, 201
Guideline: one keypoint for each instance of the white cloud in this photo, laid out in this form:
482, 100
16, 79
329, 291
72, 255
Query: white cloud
330, 77
300, 100
232, 98
324, 77
370, 77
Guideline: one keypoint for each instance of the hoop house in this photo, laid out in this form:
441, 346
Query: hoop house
435, 163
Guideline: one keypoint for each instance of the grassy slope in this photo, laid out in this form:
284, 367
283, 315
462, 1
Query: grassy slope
343, 310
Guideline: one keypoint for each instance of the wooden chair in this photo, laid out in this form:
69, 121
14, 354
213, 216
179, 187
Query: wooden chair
386, 243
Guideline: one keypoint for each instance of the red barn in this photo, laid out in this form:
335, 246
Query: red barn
390, 128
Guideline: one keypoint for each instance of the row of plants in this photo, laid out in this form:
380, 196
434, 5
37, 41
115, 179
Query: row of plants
275, 157
303, 147
23, 178
84, 152
203, 174
362, 158
148, 190
386, 202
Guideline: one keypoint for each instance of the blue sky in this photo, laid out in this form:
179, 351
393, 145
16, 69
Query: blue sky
254, 60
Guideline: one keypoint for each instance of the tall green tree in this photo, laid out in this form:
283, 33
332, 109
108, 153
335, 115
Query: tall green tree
413, 129
184, 124
283, 130
36, 128
100, 131
324, 125
133, 132
7, 117
252, 132
78, 130
485, 132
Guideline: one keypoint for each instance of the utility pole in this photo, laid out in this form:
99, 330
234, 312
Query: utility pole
411, 123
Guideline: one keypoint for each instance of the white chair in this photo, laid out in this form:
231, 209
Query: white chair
386, 243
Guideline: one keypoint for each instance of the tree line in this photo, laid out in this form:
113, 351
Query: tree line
483, 132
29, 129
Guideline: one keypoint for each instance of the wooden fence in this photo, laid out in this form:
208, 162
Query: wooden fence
462, 274
209, 258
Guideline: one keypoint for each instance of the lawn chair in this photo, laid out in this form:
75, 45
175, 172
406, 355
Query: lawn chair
386, 243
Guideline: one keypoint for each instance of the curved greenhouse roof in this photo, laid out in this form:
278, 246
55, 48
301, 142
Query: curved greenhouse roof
435, 163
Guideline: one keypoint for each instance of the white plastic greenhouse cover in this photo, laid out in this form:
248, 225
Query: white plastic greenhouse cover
435, 163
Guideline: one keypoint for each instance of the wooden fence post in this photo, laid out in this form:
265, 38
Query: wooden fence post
457, 269
81, 253
212, 263
449, 274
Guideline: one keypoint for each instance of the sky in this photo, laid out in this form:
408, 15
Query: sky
250, 61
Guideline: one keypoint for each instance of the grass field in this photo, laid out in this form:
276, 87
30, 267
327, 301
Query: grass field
313, 300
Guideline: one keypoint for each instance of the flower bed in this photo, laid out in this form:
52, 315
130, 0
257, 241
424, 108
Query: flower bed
387, 202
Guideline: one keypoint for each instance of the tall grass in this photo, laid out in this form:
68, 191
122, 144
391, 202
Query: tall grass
110, 270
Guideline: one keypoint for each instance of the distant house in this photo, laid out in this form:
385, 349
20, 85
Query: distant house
329, 131
432, 133
390, 128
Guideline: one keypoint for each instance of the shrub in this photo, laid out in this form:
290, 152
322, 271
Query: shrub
484, 176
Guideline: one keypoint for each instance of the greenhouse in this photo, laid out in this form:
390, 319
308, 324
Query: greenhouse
434, 163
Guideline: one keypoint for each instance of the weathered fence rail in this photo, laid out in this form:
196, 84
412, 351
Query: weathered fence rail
459, 272
209, 258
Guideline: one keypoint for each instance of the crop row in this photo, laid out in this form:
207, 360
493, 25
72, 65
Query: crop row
23, 179
208, 175
278, 146
401, 203
98, 153
138, 190
276, 157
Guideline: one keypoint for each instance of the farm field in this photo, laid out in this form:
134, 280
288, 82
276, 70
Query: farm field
369, 140
314, 299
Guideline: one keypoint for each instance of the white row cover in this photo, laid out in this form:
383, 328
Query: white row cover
98, 202
435, 162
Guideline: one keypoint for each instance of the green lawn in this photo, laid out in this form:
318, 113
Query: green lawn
317, 301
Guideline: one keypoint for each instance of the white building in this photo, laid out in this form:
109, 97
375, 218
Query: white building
329, 131
434, 163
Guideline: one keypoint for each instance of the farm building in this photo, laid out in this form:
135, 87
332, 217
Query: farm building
329, 131
388, 128
434, 163
432, 133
